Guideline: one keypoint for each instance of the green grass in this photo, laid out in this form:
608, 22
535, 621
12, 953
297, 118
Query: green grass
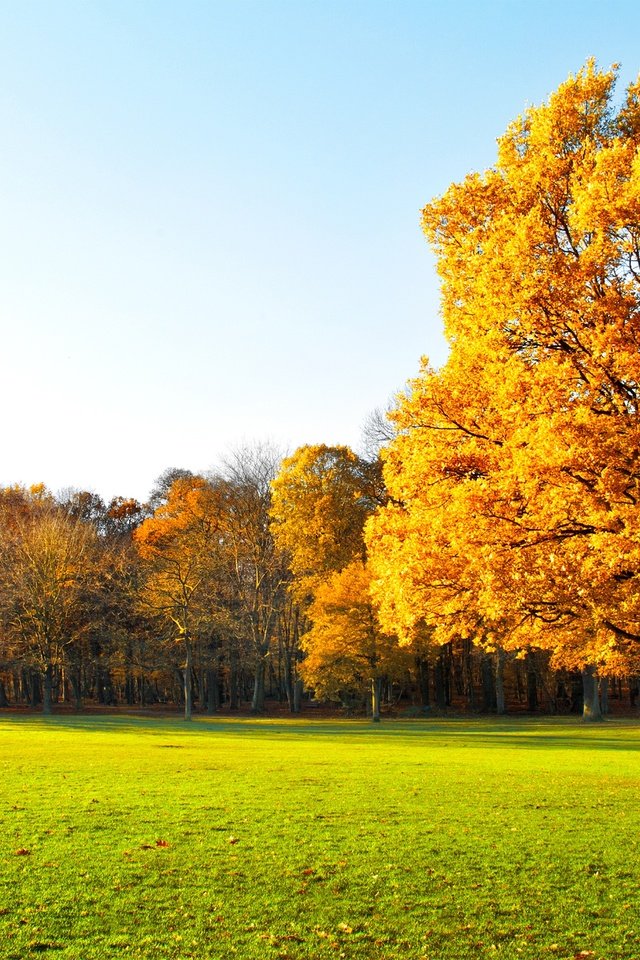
446, 839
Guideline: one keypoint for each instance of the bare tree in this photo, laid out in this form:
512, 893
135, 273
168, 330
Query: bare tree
256, 567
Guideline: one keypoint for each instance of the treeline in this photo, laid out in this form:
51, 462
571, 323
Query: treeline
485, 554
224, 591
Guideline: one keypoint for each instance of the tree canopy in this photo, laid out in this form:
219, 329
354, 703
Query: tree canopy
515, 472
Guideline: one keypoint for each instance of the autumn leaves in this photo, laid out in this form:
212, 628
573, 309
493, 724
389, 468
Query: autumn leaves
515, 473
504, 510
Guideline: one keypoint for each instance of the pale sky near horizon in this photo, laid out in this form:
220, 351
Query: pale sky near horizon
210, 212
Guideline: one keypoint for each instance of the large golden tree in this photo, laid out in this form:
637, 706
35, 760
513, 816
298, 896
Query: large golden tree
515, 475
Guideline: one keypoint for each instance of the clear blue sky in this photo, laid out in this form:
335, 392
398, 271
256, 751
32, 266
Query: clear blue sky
210, 211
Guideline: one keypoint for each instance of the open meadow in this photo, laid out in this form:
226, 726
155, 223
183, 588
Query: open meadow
147, 838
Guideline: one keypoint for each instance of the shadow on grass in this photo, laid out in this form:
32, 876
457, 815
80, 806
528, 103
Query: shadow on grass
475, 733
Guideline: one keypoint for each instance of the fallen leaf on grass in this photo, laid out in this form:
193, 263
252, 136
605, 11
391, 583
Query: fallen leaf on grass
233, 840
22, 852
308, 872
345, 928
584, 953
162, 843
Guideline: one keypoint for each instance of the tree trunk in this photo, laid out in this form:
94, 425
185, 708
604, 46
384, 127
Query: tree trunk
499, 666
297, 696
376, 689
31, 687
591, 708
488, 685
233, 679
422, 667
288, 681
3, 695
532, 684
257, 702
188, 680
468, 686
47, 690
604, 695
441, 692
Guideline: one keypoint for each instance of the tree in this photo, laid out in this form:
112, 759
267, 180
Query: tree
377, 431
255, 565
51, 572
163, 484
515, 475
321, 499
346, 649
178, 548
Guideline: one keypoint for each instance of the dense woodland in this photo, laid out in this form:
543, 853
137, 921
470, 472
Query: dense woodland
485, 554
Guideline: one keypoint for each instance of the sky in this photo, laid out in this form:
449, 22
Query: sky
210, 212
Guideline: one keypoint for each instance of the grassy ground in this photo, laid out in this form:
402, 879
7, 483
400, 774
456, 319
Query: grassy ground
275, 839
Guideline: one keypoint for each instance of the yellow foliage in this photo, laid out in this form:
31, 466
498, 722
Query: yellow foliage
321, 499
345, 647
515, 474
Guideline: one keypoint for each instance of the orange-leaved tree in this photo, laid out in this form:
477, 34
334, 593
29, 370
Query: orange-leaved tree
178, 547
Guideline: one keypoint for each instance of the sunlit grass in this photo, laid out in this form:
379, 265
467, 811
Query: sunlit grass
156, 839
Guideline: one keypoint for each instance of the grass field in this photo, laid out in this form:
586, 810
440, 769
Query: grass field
273, 839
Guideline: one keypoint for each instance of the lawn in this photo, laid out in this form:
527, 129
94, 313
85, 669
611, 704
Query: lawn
146, 838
